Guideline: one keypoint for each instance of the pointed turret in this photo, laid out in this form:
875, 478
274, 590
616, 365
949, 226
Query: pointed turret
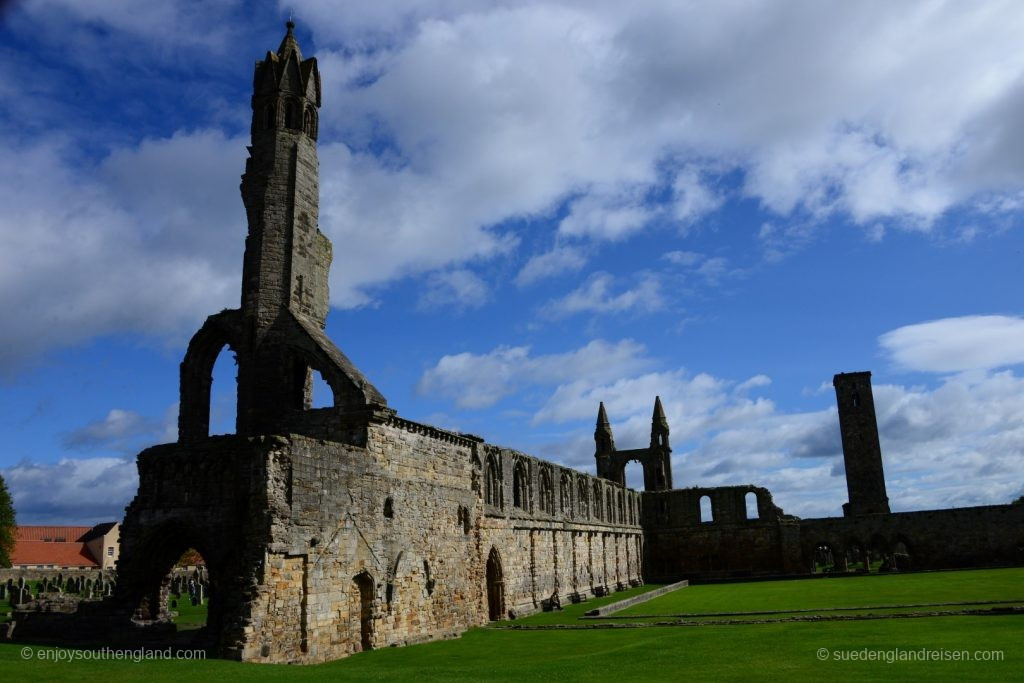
603, 432
659, 425
289, 44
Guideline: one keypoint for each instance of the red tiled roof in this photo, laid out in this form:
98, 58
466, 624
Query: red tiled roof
46, 553
38, 533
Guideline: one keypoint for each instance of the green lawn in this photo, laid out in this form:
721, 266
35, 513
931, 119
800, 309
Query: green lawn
736, 652
829, 593
189, 617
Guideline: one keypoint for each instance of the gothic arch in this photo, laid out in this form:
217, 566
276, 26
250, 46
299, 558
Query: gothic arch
582, 498
492, 482
196, 372
520, 485
495, 586
546, 493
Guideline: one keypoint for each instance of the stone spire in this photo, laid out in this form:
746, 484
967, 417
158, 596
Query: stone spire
289, 44
659, 425
286, 256
603, 432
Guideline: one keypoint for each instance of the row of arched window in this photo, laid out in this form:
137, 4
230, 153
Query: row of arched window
594, 498
750, 509
296, 117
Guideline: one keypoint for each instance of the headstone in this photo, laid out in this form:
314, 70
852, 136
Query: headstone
21, 582
3, 591
201, 593
174, 604
195, 601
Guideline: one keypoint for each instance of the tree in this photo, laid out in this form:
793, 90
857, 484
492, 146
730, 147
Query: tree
1019, 501
8, 527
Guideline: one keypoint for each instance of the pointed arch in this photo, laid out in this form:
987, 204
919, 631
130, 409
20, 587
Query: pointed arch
495, 586
196, 372
492, 482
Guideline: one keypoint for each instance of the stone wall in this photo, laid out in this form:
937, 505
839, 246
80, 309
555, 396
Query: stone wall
318, 548
930, 539
728, 542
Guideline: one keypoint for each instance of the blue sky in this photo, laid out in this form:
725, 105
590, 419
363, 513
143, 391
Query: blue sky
537, 206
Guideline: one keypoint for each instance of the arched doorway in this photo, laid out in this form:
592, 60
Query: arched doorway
362, 586
495, 587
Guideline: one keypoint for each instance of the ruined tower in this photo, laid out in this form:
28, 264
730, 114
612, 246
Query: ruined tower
604, 443
862, 452
656, 459
661, 452
277, 333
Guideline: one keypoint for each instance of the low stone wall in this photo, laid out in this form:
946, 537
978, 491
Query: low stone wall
635, 600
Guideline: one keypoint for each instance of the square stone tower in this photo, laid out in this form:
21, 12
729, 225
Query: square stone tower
862, 451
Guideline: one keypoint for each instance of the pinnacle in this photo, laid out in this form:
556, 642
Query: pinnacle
659, 412
289, 44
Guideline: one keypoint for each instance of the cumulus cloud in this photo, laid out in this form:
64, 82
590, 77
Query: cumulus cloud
558, 261
481, 380
597, 295
456, 288
959, 443
460, 118
72, 491
607, 107
121, 250
123, 430
973, 342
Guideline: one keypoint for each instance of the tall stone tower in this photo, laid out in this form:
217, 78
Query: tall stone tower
277, 334
862, 452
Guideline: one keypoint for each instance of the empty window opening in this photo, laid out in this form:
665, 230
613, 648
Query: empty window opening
291, 116
389, 507
323, 395
224, 393
751, 503
634, 474
706, 513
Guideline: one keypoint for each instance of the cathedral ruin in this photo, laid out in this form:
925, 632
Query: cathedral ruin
327, 531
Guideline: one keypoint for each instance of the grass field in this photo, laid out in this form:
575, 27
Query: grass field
729, 652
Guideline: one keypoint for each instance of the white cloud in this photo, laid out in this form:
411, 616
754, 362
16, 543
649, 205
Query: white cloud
72, 491
149, 242
974, 342
498, 111
459, 288
558, 261
503, 110
608, 214
597, 295
683, 258
124, 430
481, 380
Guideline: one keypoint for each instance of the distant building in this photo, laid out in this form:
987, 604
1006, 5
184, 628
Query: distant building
67, 547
